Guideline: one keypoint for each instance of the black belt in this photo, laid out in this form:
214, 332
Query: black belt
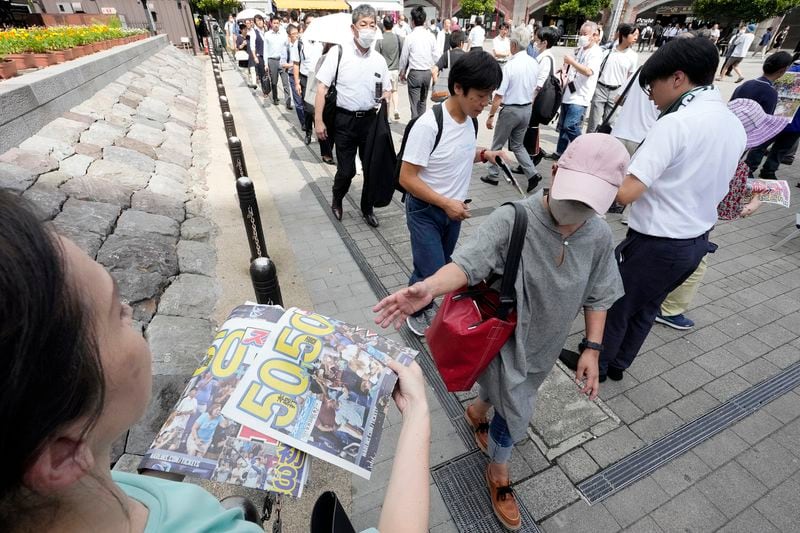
357, 114
516, 105
609, 87
704, 236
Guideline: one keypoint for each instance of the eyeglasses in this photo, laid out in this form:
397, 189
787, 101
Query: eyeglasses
648, 90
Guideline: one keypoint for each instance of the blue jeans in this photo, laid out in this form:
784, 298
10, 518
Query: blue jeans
433, 238
569, 125
298, 103
500, 442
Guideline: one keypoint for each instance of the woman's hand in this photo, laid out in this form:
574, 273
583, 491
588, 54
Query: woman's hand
395, 308
410, 392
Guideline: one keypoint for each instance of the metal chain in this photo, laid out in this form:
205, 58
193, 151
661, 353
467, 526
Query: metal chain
251, 217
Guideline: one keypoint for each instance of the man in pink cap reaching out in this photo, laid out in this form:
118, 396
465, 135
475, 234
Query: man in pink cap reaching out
567, 264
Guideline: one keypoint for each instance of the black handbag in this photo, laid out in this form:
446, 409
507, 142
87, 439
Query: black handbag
329, 109
548, 100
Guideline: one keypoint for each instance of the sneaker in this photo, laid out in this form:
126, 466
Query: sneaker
504, 503
420, 323
569, 358
787, 160
615, 374
533, 182
675, 321
481, 428
554, 156
489, 181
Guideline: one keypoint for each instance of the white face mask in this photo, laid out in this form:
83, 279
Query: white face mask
568, 212
583, 41
366, 37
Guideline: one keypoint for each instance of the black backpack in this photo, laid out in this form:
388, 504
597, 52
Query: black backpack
437, 114
548, 99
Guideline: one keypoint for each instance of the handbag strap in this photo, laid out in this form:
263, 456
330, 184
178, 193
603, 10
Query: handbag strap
622, 96
508, 298
338, 62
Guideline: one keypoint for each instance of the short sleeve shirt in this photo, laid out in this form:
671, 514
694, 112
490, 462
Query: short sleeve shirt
448, 169
519, 79
686, 162
358, 73
584, 85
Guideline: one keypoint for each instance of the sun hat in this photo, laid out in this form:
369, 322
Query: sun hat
758, 125
591, 170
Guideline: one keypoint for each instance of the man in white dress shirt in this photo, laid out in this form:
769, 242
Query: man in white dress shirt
675, 181
416, 61
477, 34
617, 67
361, 71
274, 44
443, 37
516, 95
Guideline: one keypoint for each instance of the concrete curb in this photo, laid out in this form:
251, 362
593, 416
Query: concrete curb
37, 98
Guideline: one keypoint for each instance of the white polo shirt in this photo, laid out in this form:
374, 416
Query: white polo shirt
584, 85
619, 66
419, 51
476, 37
358, 72
519, 79
545, 60
449, 168
309, 52
686, 161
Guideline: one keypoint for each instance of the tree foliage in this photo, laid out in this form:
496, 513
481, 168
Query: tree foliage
576, 8
476, 7
748, 11
217, 8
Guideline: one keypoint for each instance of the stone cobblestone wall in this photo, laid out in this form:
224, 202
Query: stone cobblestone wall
122, 175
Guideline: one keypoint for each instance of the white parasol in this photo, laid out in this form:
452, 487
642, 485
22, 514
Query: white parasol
333, 28
247, 14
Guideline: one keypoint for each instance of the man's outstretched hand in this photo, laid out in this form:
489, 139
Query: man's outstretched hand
395, 308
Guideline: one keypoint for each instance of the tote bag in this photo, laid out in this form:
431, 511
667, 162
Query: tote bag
473, 323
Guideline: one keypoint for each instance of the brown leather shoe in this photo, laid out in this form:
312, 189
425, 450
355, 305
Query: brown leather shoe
504, 503
336, 207
481, 428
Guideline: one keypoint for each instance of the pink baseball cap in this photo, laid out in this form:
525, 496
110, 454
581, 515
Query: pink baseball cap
591, 170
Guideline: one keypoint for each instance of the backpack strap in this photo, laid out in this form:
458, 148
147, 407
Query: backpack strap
508, 299
439, 116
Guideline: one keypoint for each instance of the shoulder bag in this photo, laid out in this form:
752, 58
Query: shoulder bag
329, 109
473, 323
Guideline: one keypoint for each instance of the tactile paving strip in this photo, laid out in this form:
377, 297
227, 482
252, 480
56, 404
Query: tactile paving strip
651, 457
462, 484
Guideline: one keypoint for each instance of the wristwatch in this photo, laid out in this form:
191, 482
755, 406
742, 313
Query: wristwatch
590, 345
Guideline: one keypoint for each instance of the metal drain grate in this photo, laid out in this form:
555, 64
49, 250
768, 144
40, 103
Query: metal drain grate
462, 484
651, 457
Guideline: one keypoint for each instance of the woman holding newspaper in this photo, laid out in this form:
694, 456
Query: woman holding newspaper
75, 375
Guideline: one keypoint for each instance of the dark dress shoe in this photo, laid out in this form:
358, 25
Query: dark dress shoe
615, 374
307, 140
787, 160
336, 207
533, 182
517, 170
328, 161
489, 181
289, 107
274, 102
371, 219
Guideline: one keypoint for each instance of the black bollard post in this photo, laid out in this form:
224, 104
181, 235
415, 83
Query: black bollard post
230, 127
237, 157
265, 281
221, 89
252, 218
223, 103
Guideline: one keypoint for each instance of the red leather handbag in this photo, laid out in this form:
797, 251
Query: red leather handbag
473, 323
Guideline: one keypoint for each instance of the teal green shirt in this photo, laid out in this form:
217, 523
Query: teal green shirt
175, 507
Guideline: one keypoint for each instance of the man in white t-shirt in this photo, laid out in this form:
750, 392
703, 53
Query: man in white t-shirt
581, 74
742, 45
636, 116
437, 176
617, 67
673, 191
477, 34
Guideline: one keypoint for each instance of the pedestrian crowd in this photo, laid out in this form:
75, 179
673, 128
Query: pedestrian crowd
74, 362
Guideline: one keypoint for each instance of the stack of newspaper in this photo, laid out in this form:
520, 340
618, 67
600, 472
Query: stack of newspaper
275, 386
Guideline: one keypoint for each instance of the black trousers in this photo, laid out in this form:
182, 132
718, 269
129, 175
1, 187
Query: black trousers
782, 145
326, 146
350, 135
261, 73
651, 268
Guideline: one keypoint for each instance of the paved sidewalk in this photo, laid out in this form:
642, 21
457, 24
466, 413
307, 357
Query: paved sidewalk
747, 314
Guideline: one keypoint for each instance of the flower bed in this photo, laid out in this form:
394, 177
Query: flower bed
39, 47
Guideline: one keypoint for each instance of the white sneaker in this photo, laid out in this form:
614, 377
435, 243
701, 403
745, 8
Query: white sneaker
419, 324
